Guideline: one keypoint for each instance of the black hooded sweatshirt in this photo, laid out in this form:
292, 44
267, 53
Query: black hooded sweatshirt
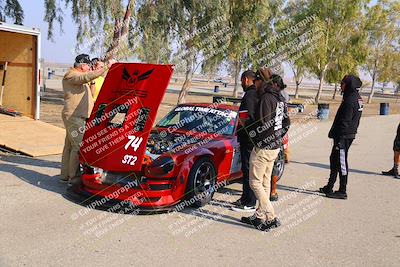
271, 119
247, 106
348, 115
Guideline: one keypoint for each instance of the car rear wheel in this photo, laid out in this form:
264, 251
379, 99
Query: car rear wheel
201, 183
279, 165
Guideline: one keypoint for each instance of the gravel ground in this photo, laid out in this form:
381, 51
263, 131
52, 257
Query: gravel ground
40, 227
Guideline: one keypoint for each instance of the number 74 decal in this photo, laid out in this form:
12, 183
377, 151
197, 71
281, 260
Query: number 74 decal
133, 142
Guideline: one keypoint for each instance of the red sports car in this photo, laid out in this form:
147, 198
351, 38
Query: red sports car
189, 154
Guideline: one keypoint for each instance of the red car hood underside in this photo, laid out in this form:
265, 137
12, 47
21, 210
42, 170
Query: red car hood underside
118, 129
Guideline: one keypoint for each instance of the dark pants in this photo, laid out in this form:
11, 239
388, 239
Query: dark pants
338, 160
248, 198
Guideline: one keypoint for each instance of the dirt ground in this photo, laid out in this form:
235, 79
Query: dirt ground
52, 102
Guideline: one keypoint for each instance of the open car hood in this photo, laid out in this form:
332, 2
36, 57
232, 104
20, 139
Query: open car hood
118, 129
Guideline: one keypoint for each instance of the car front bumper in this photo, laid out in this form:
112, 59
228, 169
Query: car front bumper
81, 195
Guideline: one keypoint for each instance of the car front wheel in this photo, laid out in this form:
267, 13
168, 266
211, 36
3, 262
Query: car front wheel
201, 183
279, 165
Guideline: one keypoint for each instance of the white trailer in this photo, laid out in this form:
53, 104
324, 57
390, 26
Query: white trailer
19, 69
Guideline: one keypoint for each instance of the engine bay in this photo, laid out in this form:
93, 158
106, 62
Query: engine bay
157, 145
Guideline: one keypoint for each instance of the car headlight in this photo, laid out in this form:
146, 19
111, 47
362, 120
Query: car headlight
98, 171
161, 166
91, 170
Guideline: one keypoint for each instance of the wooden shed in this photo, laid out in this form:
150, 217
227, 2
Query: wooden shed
19, 56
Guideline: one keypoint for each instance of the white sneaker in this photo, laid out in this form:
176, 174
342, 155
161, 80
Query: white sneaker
242, 208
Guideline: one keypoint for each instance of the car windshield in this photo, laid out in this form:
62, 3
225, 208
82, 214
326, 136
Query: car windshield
200, 119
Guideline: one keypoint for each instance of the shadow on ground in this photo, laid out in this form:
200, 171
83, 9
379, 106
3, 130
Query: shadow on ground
41, 180
215, 212
327, 167
31, 161
296, 189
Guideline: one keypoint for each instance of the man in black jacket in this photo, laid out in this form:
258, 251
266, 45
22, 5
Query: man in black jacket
396, 158
247, 201
343, 132
270, 125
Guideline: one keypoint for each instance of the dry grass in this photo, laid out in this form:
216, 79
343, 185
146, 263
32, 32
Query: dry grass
52, 103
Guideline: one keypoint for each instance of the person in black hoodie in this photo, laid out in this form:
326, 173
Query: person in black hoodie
270, 125
396, 158
247, 201
343, 132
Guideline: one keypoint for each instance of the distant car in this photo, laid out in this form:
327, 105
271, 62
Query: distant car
191, 152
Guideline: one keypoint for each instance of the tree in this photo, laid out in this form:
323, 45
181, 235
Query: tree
103, 26
333, 19
11, 9
298, 75
350, 54
196, 31
210, 67
244, 19
395, 74
334, 74
391, 70
383, 37
294, 59
155, 39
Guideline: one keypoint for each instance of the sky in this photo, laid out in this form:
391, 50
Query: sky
60, 50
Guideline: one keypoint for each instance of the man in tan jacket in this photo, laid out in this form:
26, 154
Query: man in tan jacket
77, 108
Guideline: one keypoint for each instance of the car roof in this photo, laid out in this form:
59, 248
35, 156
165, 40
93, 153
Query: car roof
213, 105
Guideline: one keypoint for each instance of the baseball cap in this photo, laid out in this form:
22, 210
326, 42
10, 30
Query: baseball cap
249, 74
83, 59
263, 74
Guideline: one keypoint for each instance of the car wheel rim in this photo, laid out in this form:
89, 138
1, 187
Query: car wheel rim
204, 180
280, 164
